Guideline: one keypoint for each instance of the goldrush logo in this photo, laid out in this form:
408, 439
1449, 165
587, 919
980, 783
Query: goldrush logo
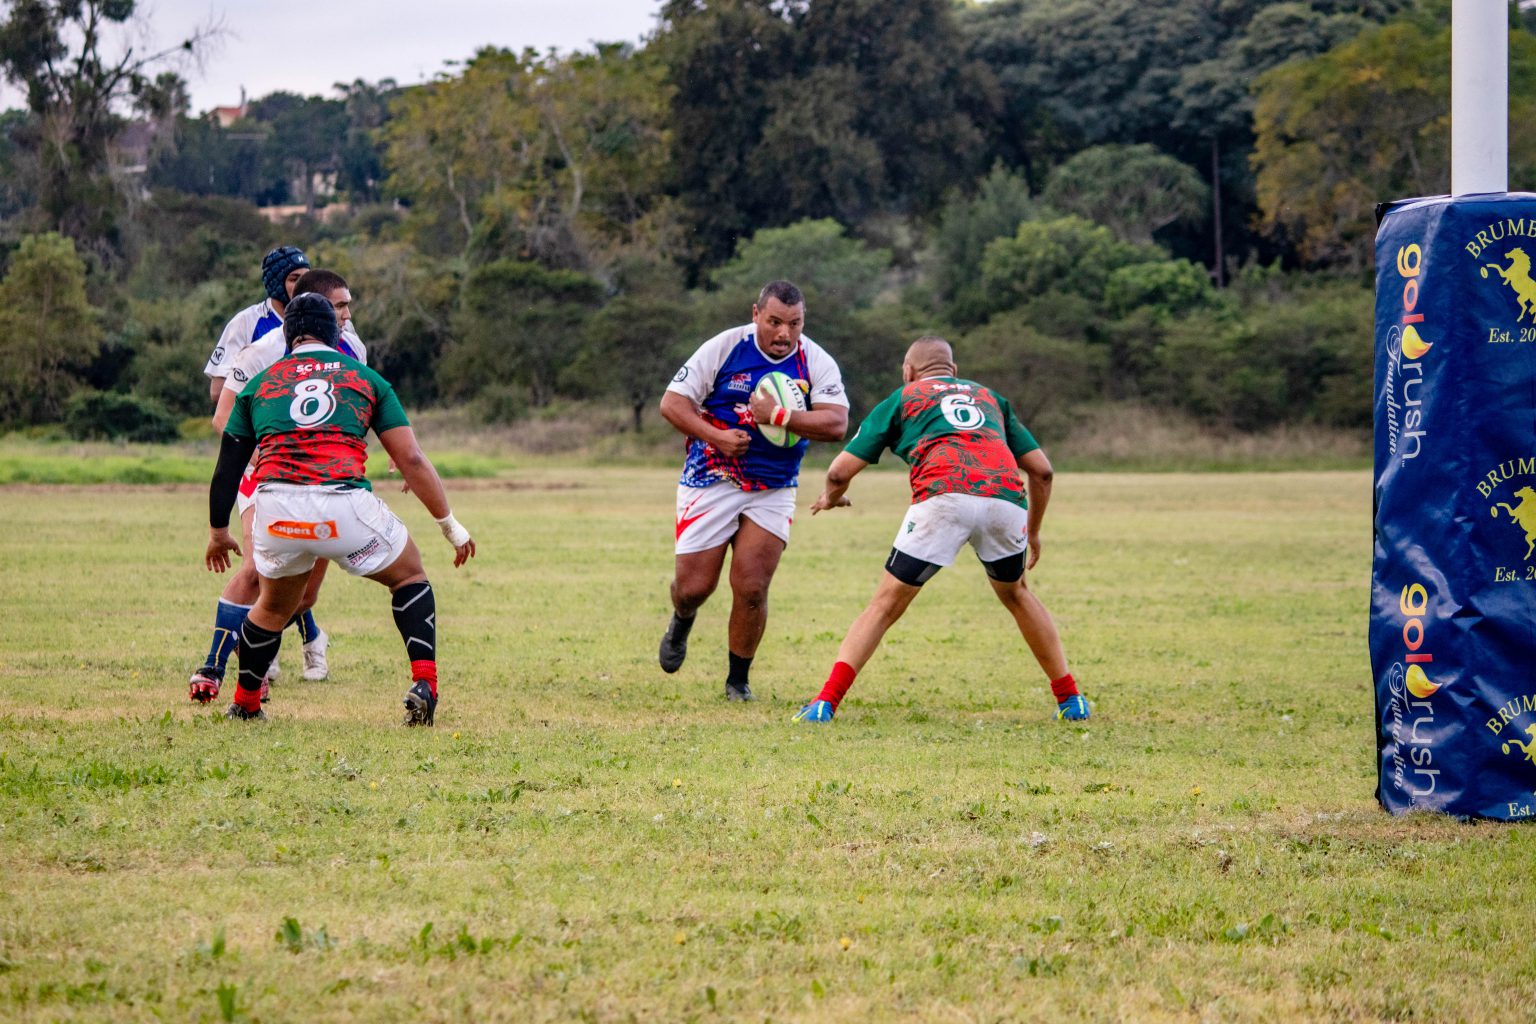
1410, 713
1405, 371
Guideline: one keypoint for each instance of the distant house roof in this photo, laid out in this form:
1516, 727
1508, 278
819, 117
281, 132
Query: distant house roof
227, 116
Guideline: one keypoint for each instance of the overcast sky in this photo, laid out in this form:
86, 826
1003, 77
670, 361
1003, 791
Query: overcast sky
272, 45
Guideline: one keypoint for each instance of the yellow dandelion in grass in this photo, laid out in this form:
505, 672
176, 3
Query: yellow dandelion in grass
455, 735
677, 783
1196, 791
680, 938
373, 785
845, 942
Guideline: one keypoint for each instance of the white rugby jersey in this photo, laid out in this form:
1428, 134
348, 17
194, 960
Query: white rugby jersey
272, 346
243, 328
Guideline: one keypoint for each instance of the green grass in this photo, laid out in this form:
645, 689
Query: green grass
101, 462
585, 838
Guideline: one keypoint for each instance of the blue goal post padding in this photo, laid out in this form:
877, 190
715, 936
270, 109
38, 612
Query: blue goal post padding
1453, 588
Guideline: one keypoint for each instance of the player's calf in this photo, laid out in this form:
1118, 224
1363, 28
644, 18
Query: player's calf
415, 610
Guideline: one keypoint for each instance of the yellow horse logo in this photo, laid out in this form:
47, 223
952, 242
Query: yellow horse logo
1518, 276
1524, 515
1528, 748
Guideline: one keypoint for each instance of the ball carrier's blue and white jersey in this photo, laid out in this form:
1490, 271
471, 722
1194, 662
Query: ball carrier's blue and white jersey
243, 328
719, 378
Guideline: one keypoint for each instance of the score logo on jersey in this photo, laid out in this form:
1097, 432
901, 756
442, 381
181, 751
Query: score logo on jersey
788, 394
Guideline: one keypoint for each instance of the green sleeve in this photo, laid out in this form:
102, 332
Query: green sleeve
1020, 440
389, 413
239, 422
879, 430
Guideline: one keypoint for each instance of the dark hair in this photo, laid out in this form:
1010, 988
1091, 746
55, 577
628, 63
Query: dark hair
318, 282
784, 291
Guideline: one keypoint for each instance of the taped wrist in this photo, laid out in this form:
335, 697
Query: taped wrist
780, 416
453, 530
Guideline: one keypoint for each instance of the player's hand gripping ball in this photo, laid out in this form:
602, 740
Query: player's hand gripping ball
782, 389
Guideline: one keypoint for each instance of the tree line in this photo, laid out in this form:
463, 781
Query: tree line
1160, 201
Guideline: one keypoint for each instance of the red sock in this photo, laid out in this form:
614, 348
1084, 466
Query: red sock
1064, 687
836, 687
247, 700
425, 669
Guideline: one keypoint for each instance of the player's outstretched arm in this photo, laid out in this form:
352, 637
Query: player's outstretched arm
679, 410
422, 480
234, 455
1037, 484
839, 475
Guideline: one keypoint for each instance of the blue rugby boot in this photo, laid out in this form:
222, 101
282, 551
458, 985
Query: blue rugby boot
816, 711
1073, 709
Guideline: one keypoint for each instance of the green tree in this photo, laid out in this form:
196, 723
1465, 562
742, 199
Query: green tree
1365, 122
783, 112
1068, 254
517, 322
836, 273
966, 224
59, 52
552, 159
49, 332
637, 340
1132, 190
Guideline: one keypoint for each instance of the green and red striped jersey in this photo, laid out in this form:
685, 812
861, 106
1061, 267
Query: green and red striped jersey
310, 413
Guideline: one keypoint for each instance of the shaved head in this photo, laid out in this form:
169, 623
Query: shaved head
928, 356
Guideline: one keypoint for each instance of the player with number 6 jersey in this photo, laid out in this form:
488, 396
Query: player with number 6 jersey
978, 477
307, 418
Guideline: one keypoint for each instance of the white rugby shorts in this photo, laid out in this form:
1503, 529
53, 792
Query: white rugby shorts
296, 524
936, 529
245, 497
710, 516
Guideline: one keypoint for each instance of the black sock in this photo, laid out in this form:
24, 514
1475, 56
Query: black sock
415, 611
737, 677
257, 649
680, 628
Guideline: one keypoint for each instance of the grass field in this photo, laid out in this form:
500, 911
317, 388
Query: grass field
585, 838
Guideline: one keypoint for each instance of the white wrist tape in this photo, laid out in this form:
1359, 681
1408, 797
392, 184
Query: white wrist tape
453, 530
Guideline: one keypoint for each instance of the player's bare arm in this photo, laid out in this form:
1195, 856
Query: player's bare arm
422, 480
840, 474
225, 407
823, 423
679, 410
1037, 484
215, 388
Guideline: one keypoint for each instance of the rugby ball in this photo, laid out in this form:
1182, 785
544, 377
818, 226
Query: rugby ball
782, 389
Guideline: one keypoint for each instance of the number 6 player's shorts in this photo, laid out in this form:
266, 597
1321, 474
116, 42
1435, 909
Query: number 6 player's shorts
296, 524
710, 516
936, 529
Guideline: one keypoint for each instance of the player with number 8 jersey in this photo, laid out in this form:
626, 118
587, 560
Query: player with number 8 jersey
307, 419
